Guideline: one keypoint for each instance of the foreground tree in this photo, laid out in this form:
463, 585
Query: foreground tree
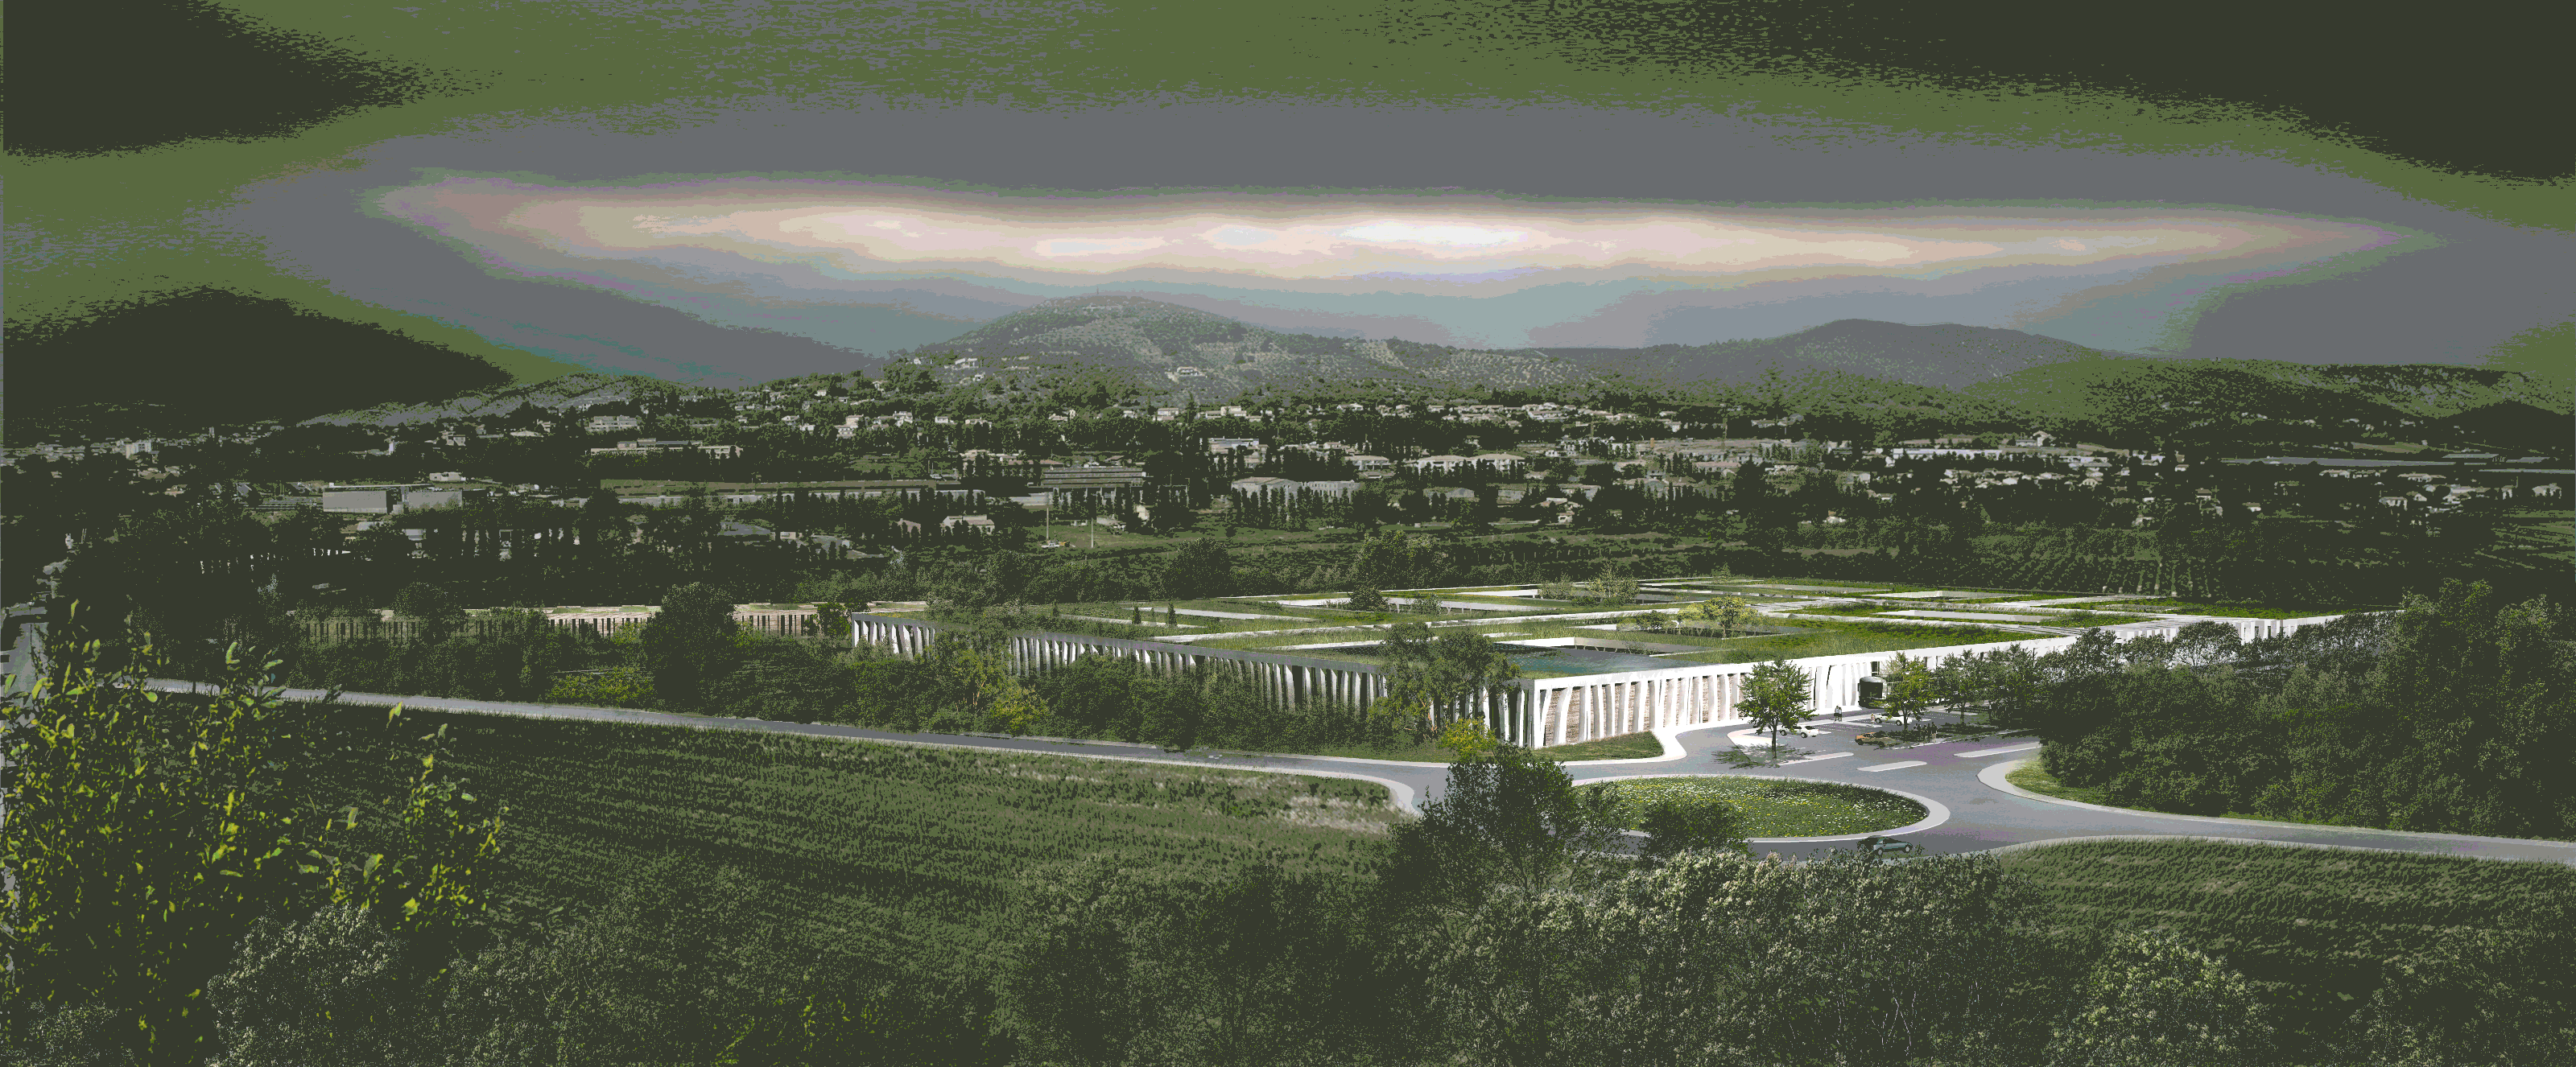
146, 831
1776, 696
1510, 820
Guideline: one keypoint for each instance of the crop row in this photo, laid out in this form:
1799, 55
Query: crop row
912, 852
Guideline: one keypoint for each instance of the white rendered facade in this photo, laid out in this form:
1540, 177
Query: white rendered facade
1537, 712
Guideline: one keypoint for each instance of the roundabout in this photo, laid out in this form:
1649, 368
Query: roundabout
1784, 810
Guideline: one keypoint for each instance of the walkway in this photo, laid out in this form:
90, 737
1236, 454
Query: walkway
1974, 809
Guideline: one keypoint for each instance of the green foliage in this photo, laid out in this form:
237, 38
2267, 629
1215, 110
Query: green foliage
1469, 740
1911, 689
1430, 680
148, 830
905, 853
1202, 568
2457, 715
2315, 930
689, 644
2495, 999
1714, 957
679, 966
144, 832
1512, 821
1776, 695
2153, 1000
1641, 745
623, 687
1614, 585
1764, 807
1264, 966
1673, 826
1392, 559
423, 872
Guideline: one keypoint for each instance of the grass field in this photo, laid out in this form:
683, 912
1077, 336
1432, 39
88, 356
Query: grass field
2312, 927
2237, 611
1823, 636
1623, 746
1774, 808
2033, 777
1814, 636
908, 852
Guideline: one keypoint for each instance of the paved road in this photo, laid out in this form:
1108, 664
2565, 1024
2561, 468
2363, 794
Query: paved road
1973, 809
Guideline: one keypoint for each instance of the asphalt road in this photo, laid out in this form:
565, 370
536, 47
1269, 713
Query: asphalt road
1960, 782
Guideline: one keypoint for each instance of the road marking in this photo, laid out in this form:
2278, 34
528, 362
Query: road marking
1812, 759
1999, 751
1894, 766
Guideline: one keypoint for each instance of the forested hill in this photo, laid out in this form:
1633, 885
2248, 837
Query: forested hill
1943, 354
1183, 352
2167, 398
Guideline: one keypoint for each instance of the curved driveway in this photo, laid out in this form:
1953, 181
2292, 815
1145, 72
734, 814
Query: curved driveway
1965, 777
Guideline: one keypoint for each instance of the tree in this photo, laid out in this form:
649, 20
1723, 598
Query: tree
1392, 559
1967, 682
689, 644
1202, 568
1776, 695
147, 831
1434, 678
1613, 585
911, 379
1726, 613
1512, 820
1910, 689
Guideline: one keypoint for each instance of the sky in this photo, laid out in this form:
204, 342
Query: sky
703, 191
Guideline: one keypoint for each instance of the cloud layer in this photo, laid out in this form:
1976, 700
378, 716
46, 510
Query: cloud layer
1576, 273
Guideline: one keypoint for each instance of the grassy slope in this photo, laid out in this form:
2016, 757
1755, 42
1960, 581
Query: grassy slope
2311, 926
909, 851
